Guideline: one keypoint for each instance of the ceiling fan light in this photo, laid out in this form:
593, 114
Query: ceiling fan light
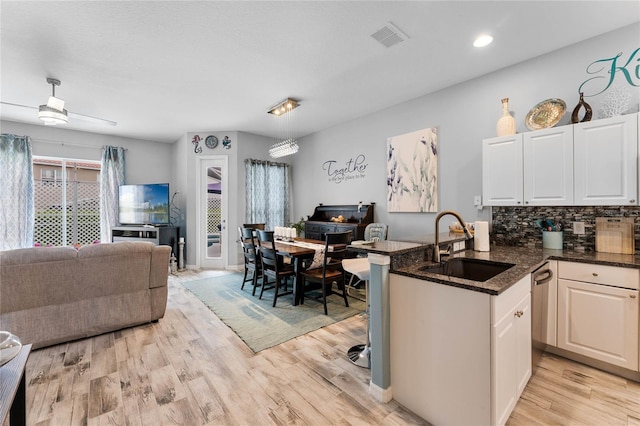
55, 103
52, 116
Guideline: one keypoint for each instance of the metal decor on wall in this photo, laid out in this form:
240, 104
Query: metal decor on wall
196, 142
412, 171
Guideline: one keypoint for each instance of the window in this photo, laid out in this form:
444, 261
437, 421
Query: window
51, 177
267, 193
67, 201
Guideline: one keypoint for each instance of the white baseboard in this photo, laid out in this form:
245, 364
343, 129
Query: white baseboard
381, 395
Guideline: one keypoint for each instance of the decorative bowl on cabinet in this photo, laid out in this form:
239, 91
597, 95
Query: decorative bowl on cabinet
9, 347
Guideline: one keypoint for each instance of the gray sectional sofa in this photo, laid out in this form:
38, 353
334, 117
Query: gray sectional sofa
58, 294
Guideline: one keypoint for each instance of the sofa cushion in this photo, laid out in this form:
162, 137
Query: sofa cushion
36, 255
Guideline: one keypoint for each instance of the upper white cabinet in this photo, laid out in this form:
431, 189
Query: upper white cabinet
502, 171
592, 163
606, 161
548, 167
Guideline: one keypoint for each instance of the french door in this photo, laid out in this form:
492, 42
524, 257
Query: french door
213, 236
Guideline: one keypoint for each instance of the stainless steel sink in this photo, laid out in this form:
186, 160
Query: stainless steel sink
470, 269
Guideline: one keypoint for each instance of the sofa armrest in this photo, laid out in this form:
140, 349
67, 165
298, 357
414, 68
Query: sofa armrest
159, 273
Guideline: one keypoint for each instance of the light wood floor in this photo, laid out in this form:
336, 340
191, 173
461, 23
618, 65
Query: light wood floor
191, 369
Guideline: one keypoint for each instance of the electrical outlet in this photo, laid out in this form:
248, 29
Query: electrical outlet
477, 201
578, 228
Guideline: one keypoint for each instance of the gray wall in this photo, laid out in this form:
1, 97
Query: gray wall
243, 145
464, 114
146, 161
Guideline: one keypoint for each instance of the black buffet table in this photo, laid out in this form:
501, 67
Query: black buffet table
12, 389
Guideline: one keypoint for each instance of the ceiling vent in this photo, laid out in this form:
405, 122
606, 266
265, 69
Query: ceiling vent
390, 35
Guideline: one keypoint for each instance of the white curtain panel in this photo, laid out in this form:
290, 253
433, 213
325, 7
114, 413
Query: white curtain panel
16, 196
111, 177
268, 193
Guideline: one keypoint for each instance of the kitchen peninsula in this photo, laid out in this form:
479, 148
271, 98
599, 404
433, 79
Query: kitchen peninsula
438, 328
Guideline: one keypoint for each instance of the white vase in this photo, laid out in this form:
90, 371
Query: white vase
506, 124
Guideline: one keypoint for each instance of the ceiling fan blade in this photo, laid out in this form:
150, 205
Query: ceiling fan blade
19, 106
91, 119
73, 115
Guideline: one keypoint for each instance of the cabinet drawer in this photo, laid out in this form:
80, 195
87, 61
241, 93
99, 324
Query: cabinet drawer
312, 227
505, 303
600, 274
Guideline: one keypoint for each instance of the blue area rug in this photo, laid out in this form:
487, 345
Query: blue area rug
256, 322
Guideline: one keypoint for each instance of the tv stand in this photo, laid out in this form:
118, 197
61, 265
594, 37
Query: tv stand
158, 235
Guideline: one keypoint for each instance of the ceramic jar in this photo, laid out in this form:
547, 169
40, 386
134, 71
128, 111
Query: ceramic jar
506, 124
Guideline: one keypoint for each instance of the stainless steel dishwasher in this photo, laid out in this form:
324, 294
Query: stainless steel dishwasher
543, 305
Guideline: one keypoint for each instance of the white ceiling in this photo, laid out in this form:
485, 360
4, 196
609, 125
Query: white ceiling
162, 69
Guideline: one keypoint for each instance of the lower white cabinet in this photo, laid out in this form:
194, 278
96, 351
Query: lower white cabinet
511, 354
459, 356
599, 321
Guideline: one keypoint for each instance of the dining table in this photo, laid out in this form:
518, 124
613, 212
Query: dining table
299, 250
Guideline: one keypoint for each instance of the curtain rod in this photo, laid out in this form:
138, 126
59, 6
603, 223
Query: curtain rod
70, 144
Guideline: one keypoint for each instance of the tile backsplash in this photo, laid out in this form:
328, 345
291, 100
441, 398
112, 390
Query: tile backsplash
516, 226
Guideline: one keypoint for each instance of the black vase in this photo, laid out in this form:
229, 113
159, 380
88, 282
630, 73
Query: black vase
576, 111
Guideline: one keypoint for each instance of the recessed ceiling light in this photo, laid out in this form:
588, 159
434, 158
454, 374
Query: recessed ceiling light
483, 40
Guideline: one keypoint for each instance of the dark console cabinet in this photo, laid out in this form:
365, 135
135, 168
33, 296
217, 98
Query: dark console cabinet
158, 235
356, 217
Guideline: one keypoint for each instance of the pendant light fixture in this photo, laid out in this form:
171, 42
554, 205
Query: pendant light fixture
285, 114
53, 112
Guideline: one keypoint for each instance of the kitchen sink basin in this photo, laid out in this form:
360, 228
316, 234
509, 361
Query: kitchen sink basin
469, 269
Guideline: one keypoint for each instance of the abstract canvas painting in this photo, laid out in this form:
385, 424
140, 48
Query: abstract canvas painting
412, 172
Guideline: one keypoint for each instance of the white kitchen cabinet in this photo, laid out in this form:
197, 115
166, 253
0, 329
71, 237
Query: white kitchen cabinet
534, 168
598, 312
548, 167
511, 351
459, 356
502, 171
606, 161
591, 163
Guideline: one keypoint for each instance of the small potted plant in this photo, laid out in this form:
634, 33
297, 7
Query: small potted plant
299, 227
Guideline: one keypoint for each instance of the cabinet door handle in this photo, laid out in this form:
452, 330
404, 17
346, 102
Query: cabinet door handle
594, 274
518, 314
632, 201
633, 296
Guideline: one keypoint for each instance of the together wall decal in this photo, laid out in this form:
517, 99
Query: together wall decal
354, 168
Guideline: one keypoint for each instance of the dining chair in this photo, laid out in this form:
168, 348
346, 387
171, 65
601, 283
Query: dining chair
251, 259
331, 271
375, 231
273, 266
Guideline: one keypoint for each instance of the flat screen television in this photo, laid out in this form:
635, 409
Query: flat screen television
144, 204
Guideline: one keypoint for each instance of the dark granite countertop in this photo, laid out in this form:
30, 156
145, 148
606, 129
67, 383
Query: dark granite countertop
394, 247
388, 247
525, 261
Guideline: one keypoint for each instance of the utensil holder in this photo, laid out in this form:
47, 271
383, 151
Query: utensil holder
552, 240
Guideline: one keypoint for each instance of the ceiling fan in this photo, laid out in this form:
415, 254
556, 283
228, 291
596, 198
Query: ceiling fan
53, 111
